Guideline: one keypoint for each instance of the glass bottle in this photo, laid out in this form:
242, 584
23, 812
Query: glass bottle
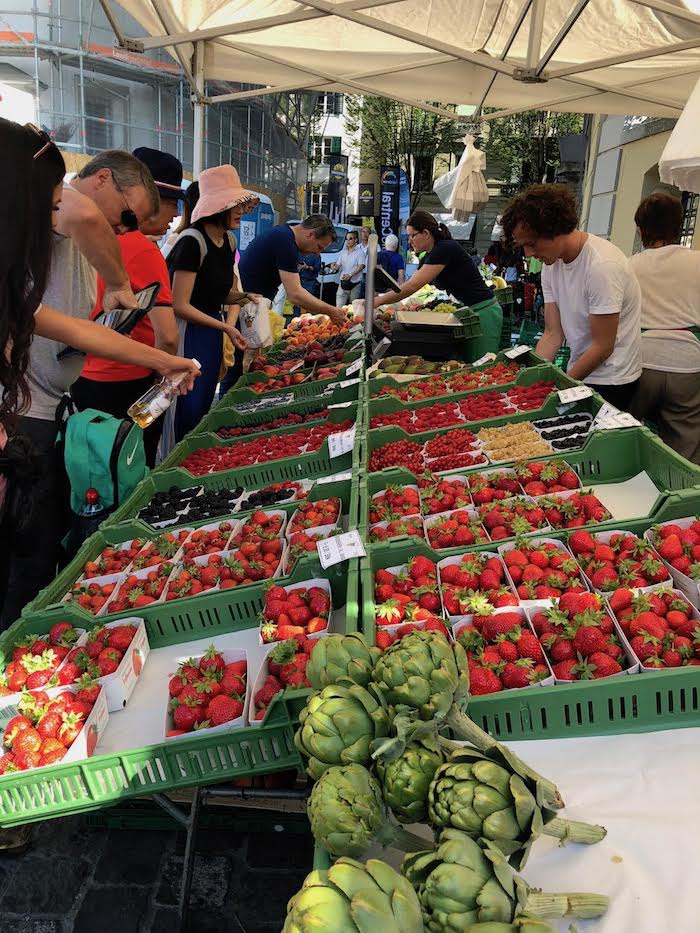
156, 400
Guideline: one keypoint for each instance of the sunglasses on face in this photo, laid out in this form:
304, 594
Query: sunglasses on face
128, 218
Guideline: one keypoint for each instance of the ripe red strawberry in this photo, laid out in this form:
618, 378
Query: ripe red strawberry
223, 709
185, 715
581, 542
529, 647
588, 640
565, 670
483, 681
602, 665
383, 639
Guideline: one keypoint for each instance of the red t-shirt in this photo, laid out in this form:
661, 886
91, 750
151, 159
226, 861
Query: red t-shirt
144, 265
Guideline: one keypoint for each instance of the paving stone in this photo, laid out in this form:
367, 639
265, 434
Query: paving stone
113, 909
210, 880
46, 883
69, 834
165, 920
30, 925
276, 850
132, 857
262, 897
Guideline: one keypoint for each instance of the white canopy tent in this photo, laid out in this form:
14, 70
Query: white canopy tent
591, 56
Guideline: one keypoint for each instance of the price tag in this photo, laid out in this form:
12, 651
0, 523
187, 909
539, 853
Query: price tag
486, 358
355, 367
605, 413
381, 349
341, 443
517, 351
336, 478
621, 420
342, 405
576, 394
339, 548
342, 385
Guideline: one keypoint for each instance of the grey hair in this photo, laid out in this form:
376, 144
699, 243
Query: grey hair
321, 225
391, 242
127, 171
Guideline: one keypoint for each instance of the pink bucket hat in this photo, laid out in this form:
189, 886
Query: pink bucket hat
220, 189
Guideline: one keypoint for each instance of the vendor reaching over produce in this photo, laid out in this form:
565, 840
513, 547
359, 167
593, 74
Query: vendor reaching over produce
448, 266
273, 259
669, 276
591, 297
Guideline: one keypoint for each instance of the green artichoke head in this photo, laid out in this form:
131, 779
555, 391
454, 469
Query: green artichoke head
519, 925
346, 810
338, 726
337, 657
484, 797
405, 780
425, 673
352, 897
458, 884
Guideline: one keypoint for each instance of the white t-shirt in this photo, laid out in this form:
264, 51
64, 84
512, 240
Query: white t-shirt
670, 281
598, 281
349, 261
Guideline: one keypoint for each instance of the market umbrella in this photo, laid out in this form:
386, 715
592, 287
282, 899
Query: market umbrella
679, 164
463, 191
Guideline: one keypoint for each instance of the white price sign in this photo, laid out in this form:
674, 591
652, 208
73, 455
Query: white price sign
605, 413
355, 367
339, 548
575, 394
486, 358
517, 351
336, 478
621, 420
343, 385
342, 405
341, 443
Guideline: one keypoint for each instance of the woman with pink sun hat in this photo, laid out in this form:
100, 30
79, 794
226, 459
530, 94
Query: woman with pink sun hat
206, 294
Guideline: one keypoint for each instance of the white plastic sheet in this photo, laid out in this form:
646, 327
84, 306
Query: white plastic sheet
679, 164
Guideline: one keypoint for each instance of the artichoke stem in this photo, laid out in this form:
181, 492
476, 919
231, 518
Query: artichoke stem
574, 831
554, 906
467, 729
399, 838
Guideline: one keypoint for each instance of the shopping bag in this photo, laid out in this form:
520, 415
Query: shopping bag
254, 323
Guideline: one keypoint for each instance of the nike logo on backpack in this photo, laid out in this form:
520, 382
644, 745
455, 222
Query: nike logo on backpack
132, 454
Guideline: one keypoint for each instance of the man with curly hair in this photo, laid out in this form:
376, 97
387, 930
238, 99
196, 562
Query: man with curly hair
591, 296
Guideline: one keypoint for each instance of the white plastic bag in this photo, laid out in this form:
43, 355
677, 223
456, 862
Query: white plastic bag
254, 323
463, 190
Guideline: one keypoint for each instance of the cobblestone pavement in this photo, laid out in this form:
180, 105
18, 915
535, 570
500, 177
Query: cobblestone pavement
79, 879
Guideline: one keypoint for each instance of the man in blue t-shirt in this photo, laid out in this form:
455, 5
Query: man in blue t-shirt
391, 260
273, 259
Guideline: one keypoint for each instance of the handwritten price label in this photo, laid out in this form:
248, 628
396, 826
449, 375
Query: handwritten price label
343, 385
336, 478
355, 367
486, 358
341, 443
517, 351
339, 548
575, 394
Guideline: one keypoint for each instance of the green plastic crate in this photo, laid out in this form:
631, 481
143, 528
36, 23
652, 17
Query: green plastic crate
196, 440
384, 404
612, 706
104, 780
241, 391
228, 417
347, 490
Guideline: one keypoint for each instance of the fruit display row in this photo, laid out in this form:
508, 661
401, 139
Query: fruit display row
262, 449
414, 366
464, 380
271, 382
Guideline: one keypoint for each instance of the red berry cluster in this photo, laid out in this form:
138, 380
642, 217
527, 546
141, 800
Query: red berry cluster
502, 653
661, 627
206, 692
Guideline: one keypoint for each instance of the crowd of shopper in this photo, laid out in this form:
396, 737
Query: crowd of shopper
87, 246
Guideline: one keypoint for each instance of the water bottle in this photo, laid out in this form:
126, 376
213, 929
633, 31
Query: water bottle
156, 400
91, 515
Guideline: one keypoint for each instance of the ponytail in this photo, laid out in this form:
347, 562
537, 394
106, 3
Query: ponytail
422, 221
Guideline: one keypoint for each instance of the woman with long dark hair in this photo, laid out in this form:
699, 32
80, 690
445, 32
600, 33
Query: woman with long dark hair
447, 266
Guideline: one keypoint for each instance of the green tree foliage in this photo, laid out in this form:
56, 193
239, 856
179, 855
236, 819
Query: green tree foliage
386, 132
525, 146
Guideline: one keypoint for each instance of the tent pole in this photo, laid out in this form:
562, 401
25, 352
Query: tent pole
198, 104
369, 283
592, 158
534, 41
525, 9
566, 28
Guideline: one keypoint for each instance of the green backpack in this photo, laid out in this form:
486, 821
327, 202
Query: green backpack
102, 453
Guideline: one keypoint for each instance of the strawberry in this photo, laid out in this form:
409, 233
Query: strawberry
603, 665
588, 640
565, 670
212, 661
483, 681
223, 709
528, 647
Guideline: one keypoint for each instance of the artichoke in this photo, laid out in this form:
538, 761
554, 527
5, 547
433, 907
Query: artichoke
461, 883
338, 726
484, 796
341, 656
519, 925
348, 815
405, 780
354, 898
423, 675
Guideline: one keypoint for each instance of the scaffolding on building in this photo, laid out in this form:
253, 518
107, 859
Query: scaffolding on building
91, 96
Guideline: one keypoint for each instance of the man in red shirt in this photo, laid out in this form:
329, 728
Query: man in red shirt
113, 387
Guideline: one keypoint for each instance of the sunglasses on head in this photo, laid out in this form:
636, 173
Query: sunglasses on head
44, 136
